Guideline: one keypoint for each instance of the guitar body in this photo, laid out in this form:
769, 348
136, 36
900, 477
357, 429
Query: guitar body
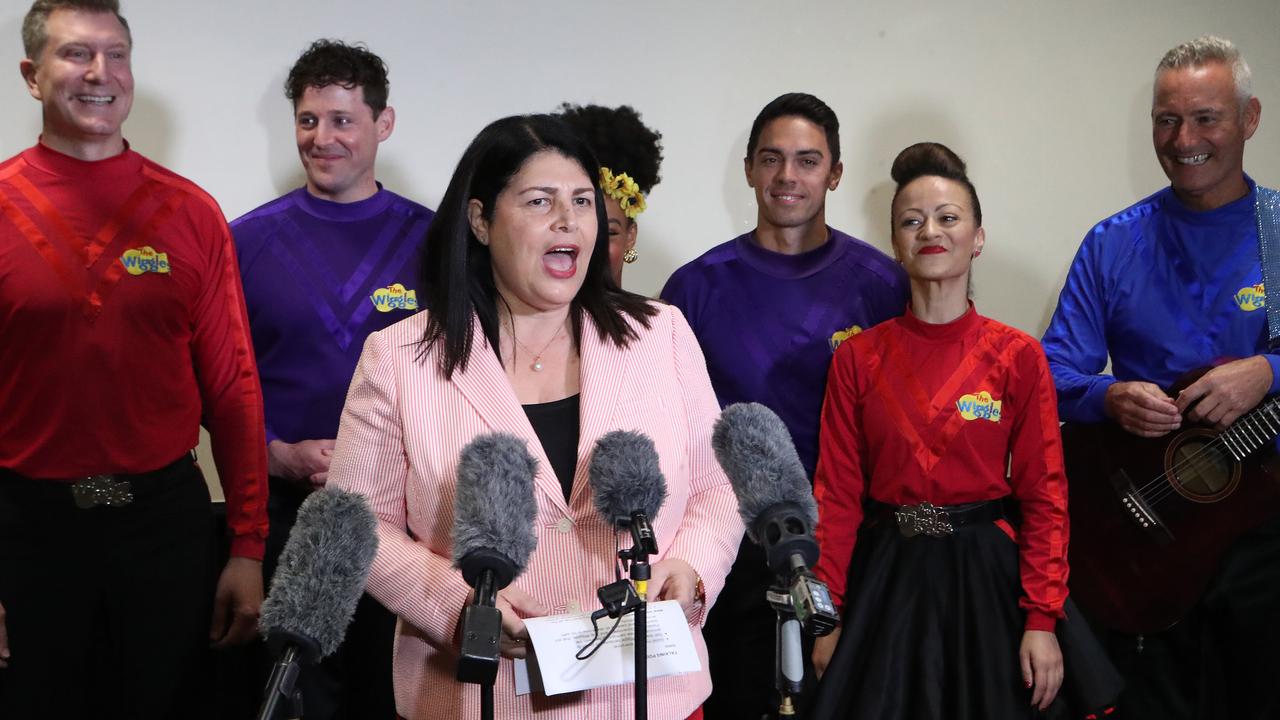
1151, 518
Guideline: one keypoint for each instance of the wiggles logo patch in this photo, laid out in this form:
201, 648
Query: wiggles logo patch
394, 297
979, 407
1251, 298
144, 260
841, 335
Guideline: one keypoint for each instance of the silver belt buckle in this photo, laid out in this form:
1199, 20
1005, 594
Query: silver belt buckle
923, 519
98, 490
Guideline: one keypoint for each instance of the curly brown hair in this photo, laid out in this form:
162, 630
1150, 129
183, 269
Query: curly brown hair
333, 62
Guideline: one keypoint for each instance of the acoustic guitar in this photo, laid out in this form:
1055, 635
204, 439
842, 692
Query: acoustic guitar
1151, 518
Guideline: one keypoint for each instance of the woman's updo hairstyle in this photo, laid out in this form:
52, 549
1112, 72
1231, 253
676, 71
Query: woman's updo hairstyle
930, 159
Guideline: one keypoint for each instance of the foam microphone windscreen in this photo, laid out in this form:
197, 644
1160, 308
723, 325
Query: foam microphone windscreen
494, 509
756, 452
321, 573
625, 476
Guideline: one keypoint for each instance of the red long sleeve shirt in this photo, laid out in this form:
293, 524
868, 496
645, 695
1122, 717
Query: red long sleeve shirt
122, 329
936, 413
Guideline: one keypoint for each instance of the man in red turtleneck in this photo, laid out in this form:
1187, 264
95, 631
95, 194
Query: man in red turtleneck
122, 330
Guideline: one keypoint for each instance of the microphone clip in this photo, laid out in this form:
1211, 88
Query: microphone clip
643, 540
617, 599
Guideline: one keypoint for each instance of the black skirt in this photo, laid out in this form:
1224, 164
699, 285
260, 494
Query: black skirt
932, 631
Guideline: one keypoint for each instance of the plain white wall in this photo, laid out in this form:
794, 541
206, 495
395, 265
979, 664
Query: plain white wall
1048, 102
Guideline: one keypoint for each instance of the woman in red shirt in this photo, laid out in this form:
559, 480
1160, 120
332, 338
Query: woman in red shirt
950, 610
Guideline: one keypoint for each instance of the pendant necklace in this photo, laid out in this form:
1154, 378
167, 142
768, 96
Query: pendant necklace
537, 359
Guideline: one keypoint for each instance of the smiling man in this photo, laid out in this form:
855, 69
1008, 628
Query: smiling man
1164, 287
324, 266
769, 308
123, 329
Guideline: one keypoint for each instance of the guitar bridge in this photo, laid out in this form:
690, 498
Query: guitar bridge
1137, 509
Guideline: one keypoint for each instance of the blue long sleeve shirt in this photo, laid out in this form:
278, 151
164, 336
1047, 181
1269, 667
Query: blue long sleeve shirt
1162, 290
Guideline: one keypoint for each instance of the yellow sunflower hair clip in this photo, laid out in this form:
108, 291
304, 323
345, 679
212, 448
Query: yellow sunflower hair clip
622, 188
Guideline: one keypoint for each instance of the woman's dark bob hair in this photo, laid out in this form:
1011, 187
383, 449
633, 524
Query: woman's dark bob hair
457, 275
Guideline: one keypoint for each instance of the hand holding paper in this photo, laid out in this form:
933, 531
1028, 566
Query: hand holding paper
557, 639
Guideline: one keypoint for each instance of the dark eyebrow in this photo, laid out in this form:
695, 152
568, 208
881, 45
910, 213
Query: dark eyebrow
778, 151
552, 191
957, 206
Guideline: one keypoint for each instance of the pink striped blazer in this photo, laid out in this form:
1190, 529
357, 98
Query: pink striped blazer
402, 431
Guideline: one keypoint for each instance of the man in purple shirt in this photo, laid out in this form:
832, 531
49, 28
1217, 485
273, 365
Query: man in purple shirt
769, 308
324, 266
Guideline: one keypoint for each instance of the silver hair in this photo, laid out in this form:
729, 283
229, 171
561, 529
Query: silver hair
1207, 49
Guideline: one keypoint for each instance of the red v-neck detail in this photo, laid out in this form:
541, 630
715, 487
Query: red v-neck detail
937, 415
92, 281
114, 269
70, 281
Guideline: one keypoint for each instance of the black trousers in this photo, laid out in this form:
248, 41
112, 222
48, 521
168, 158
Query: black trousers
1222, 662
108, 608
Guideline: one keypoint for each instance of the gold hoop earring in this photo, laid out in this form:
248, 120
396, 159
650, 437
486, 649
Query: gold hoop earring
630, 256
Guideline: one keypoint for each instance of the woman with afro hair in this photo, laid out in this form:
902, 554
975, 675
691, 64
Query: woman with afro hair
630, 154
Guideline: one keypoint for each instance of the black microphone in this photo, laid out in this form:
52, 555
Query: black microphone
627, 487
776, 503
493, 537
316, 586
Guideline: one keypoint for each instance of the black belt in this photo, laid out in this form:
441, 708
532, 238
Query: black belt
942, 520
112, 490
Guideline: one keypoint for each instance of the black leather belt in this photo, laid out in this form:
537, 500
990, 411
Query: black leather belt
941, 521
103, 489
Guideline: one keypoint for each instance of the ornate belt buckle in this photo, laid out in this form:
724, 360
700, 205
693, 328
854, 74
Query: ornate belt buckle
98, 490
923, 519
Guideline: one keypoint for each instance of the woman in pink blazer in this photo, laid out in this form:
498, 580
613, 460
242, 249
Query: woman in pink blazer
524, 331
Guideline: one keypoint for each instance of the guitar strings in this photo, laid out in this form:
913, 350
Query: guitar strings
1263, 430
1196, 461
1191, 462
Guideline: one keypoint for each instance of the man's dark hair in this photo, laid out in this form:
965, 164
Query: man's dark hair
333, 62
34, 36
457, 269
801, 105
620, 139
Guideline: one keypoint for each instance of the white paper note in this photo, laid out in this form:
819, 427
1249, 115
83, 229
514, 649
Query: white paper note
556, 640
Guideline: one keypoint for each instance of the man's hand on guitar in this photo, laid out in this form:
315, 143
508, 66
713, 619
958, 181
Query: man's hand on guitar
1226, 392
1142, 408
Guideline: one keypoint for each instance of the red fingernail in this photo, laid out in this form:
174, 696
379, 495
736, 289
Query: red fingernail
1028, 684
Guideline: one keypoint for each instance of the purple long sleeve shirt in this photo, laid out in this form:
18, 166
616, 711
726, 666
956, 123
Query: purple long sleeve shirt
320, 276
768, 322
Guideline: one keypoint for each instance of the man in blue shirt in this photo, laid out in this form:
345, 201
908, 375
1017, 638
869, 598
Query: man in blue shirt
1168, 285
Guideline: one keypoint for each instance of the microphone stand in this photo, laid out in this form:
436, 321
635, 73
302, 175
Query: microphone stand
282, 689
788, 654
801, 602
643, 544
